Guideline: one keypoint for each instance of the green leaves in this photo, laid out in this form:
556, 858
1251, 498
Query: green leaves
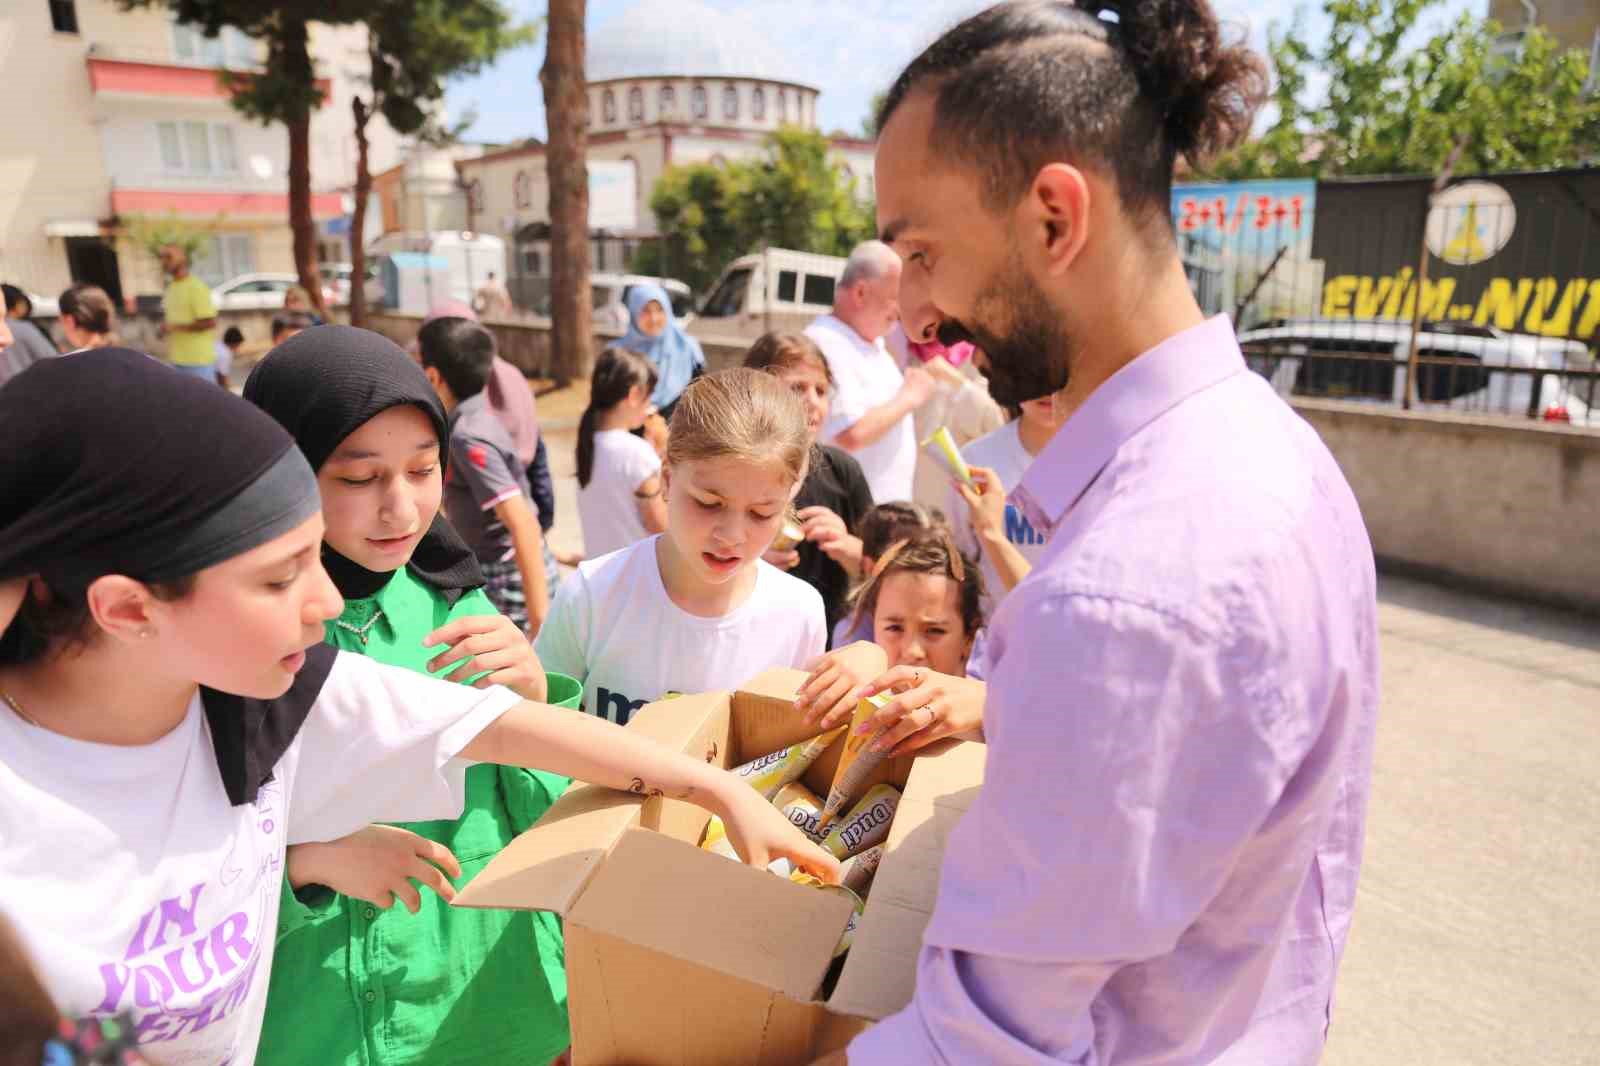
1390, 110
793, 196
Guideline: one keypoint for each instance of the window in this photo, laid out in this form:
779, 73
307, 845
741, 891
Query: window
227, 256
818, 290
697, 101
636, 104
730, 102
522, 190
227, 154
197, 148
171, 150
729, 298
788, 285
230, 48
667, 101
1346, 367
608, 107
758, 104
532, 261
783, 105
64, 16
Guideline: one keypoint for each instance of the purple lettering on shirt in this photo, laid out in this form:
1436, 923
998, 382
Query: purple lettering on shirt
228, 939
151, 987
116, 978
172, 912
177, 965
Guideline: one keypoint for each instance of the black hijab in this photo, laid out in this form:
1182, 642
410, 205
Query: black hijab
102, 471
324, 384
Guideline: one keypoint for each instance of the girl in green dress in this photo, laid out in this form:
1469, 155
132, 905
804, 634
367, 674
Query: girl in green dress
355, 982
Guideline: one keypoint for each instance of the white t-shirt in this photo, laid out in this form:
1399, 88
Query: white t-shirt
1002, 452
135, 885
607, 506
864, 377
614, 628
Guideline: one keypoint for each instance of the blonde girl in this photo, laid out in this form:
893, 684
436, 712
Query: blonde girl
696, 608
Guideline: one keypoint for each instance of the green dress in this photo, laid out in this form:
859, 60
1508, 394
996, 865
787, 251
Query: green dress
352, 984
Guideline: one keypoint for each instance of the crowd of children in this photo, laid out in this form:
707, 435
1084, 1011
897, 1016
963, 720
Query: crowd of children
304, 638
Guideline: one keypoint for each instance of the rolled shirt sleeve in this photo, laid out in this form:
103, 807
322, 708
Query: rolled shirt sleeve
482, 465
381, 745
1079, 888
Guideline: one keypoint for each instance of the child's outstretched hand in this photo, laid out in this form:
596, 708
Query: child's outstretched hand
988, 504
493, 643
829, 696
927, 706
377, 864
760, 833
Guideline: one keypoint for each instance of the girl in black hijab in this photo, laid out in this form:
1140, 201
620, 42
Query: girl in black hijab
373, 429
171, 720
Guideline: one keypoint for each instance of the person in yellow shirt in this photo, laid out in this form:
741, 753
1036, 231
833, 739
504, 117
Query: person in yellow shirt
190, 324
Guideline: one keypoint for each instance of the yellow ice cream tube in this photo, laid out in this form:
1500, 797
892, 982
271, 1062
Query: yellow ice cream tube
857, 763
866, 824
849, 935
857, 873
801, 806
789, 535
942, 446
768, 774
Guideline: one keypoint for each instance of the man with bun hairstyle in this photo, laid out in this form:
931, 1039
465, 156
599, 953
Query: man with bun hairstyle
1161, 865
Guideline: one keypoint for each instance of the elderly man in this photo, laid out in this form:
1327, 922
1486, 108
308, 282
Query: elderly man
872, 404
1161, 865
189, 319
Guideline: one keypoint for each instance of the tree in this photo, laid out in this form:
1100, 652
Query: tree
285, 90
150, 234
869, 125
565, 89
1387, 111
793, 196
415, 47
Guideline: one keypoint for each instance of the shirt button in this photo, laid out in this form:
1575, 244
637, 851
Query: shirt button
371, 996
370, 913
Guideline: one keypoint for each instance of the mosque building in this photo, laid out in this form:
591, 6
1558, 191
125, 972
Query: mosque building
670, 82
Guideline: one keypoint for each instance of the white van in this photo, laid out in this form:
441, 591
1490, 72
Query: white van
777, 289
469, 258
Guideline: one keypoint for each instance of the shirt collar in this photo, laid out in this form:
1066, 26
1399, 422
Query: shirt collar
1136, 395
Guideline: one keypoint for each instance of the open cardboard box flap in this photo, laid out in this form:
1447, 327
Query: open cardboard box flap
625, 871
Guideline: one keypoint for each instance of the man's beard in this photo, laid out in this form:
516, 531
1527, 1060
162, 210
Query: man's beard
1028, 362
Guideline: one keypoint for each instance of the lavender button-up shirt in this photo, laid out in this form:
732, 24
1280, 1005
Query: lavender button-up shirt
1161, 865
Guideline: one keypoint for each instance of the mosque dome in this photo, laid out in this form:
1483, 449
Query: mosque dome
683, 38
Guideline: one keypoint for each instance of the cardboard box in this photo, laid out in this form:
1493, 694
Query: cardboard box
679, 956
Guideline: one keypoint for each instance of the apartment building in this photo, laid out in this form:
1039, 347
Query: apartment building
115, 115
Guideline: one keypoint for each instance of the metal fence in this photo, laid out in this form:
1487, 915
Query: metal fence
1483, 298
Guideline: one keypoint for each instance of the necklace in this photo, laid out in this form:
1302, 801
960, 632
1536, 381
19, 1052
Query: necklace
361, 630
16, 708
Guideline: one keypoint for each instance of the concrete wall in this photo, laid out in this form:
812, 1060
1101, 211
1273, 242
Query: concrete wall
1510, 507
526, 344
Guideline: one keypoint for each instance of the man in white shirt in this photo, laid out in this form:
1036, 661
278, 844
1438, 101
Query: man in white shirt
872, 403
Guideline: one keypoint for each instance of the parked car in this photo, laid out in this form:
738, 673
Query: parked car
776, 289
43, 306
1489, 369
610, 295
336, 279
258, 292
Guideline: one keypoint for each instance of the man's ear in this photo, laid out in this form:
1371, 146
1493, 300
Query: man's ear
666, 479
122, 607
1054, 217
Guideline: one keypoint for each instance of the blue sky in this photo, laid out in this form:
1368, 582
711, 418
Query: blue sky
852, 49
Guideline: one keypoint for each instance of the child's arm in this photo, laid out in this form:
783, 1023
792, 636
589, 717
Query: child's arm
829, 696
988, 508
652, 503
376, 864
603, 753
528, 544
